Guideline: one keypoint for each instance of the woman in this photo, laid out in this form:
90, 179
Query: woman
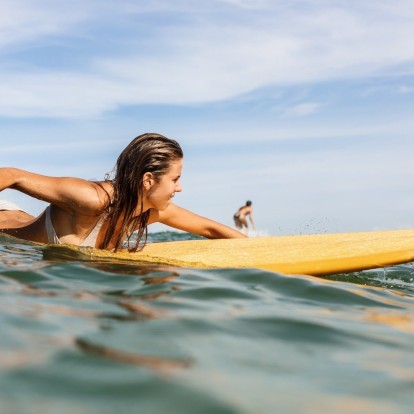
104, 214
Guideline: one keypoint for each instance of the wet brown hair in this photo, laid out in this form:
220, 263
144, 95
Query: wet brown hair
146, 153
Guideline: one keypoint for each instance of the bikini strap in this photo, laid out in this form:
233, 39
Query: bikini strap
52, 237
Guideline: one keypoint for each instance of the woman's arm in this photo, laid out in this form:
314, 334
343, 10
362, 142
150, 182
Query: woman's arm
185, 220
71, 194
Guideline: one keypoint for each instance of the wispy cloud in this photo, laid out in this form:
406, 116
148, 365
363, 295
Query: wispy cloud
192, 58
24, 22
303, 109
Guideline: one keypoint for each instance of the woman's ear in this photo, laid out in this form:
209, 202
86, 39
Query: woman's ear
148, 180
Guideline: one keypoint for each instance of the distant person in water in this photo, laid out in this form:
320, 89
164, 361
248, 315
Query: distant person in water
240, 215
104, 214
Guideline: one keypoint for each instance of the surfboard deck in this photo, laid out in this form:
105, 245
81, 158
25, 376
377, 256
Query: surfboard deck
317, 255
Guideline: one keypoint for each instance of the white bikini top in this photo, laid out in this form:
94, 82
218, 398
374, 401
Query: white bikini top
52, 237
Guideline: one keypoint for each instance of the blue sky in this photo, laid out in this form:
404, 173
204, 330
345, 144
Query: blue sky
305, 107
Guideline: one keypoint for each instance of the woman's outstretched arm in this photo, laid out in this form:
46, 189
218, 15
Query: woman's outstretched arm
185, 220
71, 194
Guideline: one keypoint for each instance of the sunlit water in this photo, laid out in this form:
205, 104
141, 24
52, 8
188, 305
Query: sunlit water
83, 336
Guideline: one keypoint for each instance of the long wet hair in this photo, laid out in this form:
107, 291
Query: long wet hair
146, 153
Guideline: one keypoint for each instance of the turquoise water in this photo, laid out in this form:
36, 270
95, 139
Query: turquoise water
82, 336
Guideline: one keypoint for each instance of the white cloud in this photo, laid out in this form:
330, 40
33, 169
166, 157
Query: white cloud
198, 59
303, 109
23, 22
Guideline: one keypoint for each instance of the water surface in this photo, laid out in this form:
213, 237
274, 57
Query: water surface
86, 336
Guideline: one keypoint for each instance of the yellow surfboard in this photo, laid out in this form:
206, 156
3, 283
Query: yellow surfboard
317, 255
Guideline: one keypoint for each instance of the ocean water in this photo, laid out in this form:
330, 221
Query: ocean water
92, 336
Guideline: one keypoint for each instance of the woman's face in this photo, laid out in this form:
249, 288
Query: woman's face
159, 195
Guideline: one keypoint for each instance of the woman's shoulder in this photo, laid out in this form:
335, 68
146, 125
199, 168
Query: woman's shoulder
94, 196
